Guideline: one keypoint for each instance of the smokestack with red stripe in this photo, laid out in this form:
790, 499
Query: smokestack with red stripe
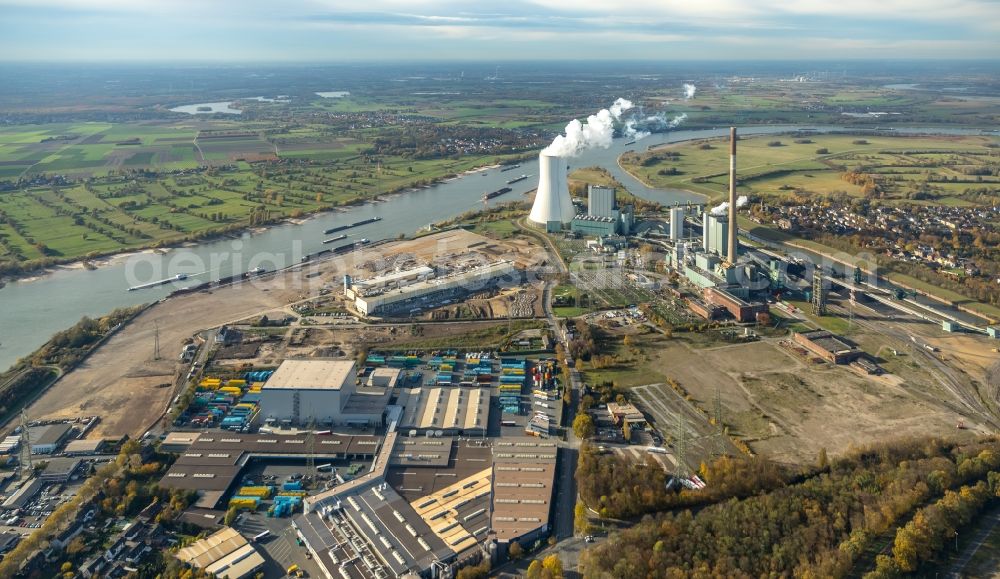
731, 253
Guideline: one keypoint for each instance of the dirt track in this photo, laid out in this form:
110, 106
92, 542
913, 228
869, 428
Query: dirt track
123, 384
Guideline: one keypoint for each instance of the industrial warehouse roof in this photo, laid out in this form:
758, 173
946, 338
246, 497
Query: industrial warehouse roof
177, 441
524, 474
60, 468
384, 377
469, 276
311, 375
225, 553
83, 446
828, 341
240, 563
375, 533
200, 478
445, 408
414, 480
422, 451
394, 276
459, 513
213, 462
48, 434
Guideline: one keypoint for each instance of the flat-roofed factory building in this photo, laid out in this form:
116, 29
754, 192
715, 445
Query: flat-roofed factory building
399, 297
523, 479
324, 391
46, 439
828, 346
212, 463
452, 409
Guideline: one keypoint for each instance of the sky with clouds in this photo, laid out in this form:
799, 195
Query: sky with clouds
339, 30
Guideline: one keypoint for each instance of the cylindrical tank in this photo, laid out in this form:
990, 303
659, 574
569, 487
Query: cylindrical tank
552, 200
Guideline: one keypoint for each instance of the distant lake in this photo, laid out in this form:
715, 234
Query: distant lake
334, 94
209, 108
226, 106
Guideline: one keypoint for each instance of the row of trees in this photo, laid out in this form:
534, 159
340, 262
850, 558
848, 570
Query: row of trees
927, 533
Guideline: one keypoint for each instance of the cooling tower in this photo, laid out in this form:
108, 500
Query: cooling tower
552, 201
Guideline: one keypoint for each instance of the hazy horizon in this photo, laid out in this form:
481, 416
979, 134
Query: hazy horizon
313, 31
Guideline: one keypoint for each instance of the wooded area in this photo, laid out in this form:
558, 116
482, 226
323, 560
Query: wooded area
823, 521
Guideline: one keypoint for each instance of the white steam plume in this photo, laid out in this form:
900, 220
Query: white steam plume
641, 128
596, 132
689, 91
723, 208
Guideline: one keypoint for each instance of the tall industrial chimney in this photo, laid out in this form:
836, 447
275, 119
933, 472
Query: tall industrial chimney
552, 200
731, 253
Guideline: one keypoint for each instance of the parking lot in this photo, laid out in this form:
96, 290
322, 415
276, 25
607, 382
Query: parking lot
33, 514
280, 548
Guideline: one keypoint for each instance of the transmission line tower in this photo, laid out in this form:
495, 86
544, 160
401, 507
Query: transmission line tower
25, 457
156, 339
818, 292
720, 435
680, 447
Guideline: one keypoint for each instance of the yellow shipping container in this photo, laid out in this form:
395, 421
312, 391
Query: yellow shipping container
263, 492
243, 504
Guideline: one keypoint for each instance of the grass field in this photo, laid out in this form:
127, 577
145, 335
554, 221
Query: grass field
111, 212
779, 165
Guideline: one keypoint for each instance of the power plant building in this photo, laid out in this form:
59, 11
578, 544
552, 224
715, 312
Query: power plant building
553, 206
603, 218
715, 234
324, 391
601, 201
740, 309
676, 223
593, 226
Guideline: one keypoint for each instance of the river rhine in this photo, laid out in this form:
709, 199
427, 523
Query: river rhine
31, 311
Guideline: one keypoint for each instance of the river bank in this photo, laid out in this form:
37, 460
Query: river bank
98, 260
618, 161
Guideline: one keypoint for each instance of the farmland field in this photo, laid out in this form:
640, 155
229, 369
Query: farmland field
779, 165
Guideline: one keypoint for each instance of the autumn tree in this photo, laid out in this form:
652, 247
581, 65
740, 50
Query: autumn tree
534, 570
515, 551
583, 426
553, 565
581, 522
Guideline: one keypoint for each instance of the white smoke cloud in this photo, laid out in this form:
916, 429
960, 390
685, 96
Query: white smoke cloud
596, 132
723, 208
689, 90
641, 128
